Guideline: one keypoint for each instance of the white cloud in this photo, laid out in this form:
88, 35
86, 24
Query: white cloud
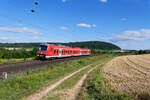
22, 39
64, 28
123, 19
35, 38
94, 25
86, 25
64, 1
20, 30
8, 40
103, 1
142, 34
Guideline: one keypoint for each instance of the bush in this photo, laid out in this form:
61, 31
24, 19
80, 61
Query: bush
142, 52
8, 54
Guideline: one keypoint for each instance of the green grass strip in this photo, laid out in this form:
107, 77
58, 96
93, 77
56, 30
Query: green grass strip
72, 81
15, 60
66, 85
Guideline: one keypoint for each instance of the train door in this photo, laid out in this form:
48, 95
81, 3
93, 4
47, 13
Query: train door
60, 52
51, 52
80, 52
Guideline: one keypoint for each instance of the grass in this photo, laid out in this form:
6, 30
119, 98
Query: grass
72, 81
15, 60
69, 83
66, 85
98, 88
24, 85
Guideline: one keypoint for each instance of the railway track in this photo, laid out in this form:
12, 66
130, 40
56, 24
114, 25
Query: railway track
34, 64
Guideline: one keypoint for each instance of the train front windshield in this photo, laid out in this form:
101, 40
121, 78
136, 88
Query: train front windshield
43, 48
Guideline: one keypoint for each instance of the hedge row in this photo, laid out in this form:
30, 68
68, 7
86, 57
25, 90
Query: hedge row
8, 54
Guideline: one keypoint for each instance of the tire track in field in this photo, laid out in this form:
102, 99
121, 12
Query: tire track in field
134, 66
71, 94
77, 88
145, 57
141, 62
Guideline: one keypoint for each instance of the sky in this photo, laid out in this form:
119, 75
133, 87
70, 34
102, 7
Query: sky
125, 23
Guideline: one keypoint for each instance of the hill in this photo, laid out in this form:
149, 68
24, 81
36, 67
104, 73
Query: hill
86, 44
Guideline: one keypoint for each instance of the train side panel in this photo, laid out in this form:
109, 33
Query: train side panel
53, 51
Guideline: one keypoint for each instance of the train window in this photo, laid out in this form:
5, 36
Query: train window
57, 51
54, 51
43, 48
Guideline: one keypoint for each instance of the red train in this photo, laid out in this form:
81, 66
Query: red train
46, 51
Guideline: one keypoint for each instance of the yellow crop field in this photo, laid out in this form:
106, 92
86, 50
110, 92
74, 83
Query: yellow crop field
130, 74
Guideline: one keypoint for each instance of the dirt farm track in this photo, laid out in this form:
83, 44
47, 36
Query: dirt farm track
130, 74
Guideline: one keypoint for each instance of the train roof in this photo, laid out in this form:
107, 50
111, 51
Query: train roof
62, 46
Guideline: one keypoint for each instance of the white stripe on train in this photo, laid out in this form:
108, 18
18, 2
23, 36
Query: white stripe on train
64, 56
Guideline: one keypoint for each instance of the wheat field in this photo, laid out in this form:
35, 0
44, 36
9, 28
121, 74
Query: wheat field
130, 74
